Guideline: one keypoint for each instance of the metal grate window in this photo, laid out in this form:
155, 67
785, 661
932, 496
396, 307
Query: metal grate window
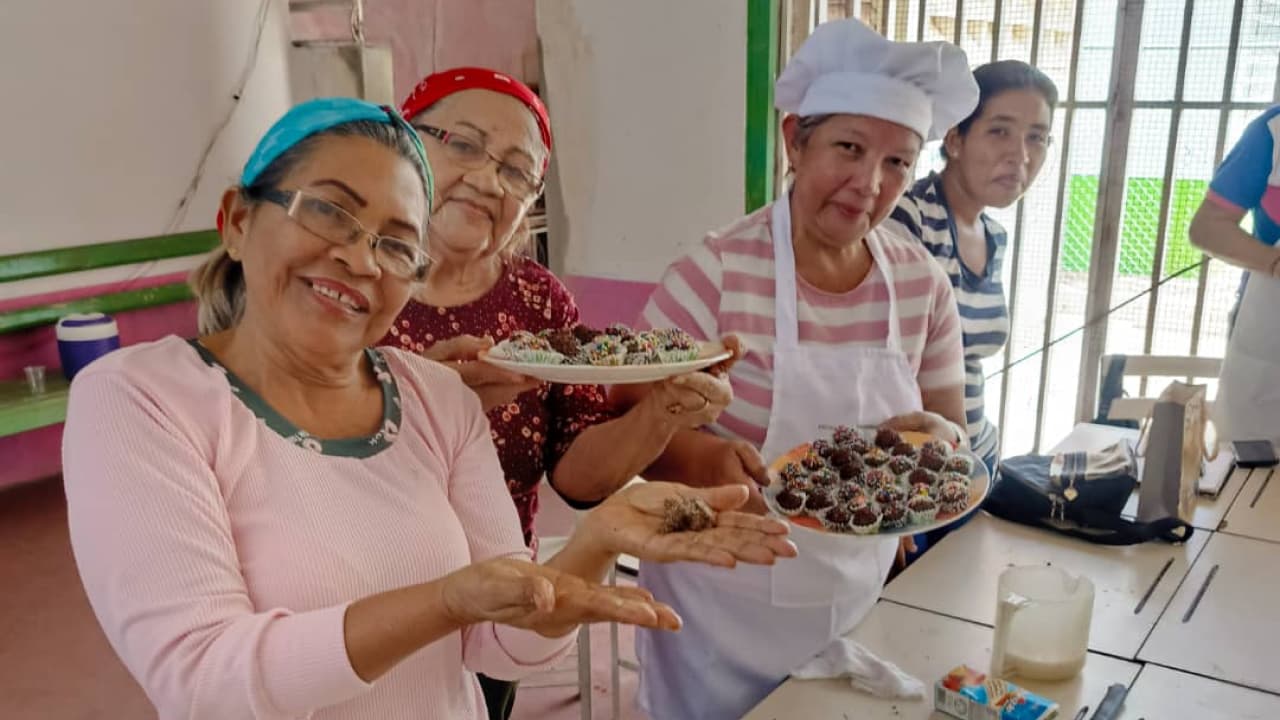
1152, 93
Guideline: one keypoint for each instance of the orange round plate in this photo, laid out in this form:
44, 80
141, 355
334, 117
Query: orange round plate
979, 486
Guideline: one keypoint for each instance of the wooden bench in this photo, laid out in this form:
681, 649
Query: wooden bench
20, 411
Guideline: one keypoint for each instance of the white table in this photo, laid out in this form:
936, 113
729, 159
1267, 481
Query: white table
959, 577
1233, 633
1164, 694
927, 646
1256, 511
937, 614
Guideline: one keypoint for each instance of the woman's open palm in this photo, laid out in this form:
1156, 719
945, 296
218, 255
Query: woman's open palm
546, 600
634, 521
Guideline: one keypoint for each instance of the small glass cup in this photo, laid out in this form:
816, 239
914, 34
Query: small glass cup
35, 378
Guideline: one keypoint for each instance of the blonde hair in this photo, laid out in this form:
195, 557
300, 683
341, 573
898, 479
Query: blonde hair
218, 284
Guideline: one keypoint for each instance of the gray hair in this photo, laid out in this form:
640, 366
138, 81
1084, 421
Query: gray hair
808, 125
218, 283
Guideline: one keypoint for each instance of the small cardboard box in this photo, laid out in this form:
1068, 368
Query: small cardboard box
968, 694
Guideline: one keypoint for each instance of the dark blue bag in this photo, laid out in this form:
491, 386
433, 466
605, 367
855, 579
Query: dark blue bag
1078, 494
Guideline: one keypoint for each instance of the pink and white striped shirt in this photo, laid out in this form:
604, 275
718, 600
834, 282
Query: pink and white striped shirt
726, 285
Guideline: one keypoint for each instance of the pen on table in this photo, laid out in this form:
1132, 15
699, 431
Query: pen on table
1083, 711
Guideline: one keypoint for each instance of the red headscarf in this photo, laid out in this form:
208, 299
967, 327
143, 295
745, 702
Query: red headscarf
435, 88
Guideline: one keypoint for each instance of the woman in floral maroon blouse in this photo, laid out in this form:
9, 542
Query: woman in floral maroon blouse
488, 140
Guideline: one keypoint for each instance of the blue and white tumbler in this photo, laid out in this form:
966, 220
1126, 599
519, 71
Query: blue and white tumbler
83, 338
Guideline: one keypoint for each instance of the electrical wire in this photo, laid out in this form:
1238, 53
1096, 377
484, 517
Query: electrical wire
237, 93
1090, 323
245, 74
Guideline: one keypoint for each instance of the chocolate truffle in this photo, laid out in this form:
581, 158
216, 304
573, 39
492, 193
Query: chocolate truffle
893, 515
791, 500
875, 457
938, 447
690, 514
866, 520
901, 465
813, 461
818, 500
887, 438
922, 476
824, 477
959, 464
837, 519
931, 459
904, 449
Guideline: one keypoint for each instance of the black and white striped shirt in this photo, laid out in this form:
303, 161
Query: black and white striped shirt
984, 314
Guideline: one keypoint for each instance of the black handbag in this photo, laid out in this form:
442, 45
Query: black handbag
1080, 494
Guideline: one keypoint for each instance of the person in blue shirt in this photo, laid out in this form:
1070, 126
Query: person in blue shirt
1248, 181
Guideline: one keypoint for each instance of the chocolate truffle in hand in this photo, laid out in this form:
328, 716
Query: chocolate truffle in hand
690, 514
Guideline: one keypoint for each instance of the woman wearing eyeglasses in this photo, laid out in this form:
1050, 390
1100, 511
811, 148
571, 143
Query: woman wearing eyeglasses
275, 520
488, 138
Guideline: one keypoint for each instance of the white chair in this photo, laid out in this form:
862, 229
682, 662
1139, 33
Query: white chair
547, 548
1114, 407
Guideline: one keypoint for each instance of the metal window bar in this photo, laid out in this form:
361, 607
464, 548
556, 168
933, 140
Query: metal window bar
1224, 115
1166, 188
995, 29
894, 20
1037, 28
1111, 185
1060, 209
1020, 224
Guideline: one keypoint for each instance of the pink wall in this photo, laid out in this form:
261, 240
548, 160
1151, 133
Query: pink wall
602, 301
430, 35
37, 454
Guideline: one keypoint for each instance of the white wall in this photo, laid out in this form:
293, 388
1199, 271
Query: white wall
108, 108
648, 105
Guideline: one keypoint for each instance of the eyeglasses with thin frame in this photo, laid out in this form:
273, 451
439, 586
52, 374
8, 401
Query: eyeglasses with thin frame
473, 155
402, 258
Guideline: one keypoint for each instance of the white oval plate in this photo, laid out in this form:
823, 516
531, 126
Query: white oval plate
980, 485
710, 354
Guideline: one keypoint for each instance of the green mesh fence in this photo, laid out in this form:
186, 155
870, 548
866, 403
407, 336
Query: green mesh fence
1139, 225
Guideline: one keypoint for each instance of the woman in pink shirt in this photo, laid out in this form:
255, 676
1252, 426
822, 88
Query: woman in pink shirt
842, 323
277, 521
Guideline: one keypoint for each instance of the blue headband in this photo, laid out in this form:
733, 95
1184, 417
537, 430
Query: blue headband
313, 116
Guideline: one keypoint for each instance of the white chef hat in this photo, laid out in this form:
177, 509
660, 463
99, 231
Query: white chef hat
846, 67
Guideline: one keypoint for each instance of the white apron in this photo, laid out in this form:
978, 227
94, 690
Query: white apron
746, 629
1248, 403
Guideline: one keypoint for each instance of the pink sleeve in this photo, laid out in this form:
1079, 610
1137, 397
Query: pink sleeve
154, 547
483, 505
1224, 203
688, 297
942, 360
